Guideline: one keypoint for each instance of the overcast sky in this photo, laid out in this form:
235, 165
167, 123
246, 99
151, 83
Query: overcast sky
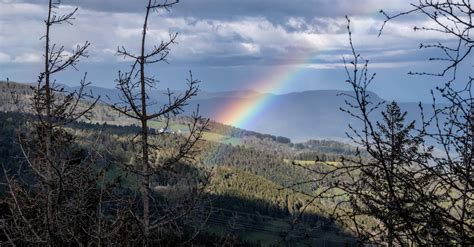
228, 44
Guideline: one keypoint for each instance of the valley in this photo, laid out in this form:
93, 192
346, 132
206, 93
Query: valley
249, 196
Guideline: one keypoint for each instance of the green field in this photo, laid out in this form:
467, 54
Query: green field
208, 136
214, 137
173, 127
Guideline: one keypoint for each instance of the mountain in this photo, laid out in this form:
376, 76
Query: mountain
300, 115
251, 171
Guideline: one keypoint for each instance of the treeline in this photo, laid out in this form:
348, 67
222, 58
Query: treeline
245, 179
328, 146
266, 164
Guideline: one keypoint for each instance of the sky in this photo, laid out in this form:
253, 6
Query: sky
231, 44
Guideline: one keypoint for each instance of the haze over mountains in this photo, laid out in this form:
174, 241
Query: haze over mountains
299, 116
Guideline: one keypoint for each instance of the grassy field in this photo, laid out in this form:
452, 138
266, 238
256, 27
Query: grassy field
173, 127
208, 136
214, 137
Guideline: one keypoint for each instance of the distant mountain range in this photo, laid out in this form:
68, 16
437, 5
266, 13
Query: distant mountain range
300, 116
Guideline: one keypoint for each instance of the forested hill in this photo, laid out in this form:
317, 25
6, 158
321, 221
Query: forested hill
216, 131
247, 194
307, 115
299, 116
250, 170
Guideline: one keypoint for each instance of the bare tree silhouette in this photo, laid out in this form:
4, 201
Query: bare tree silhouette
56, 199
454, 122
400, 192
134, 86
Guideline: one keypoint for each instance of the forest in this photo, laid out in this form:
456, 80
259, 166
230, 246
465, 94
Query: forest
81, 170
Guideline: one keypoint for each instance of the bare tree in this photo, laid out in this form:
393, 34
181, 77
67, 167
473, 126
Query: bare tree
391, 183
401, 192
56, 199
378, 194
453, 121
134, 86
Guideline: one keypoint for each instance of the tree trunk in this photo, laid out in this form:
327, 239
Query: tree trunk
48, 130
144, 122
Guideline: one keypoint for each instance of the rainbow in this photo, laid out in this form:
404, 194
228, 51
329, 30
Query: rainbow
243, 111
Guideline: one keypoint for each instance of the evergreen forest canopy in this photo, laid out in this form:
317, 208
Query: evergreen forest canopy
81, 170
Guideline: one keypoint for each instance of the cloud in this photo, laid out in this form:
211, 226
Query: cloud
211, 32
228, 41
247, 7
24, 58
4, 58
15, 8
276, 11
382, 65
27, 58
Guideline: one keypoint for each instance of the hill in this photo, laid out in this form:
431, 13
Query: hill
250, 170
299, 116
247, 196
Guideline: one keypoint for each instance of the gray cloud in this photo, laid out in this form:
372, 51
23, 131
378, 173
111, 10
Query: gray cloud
223, 39
277, 11
251, 38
